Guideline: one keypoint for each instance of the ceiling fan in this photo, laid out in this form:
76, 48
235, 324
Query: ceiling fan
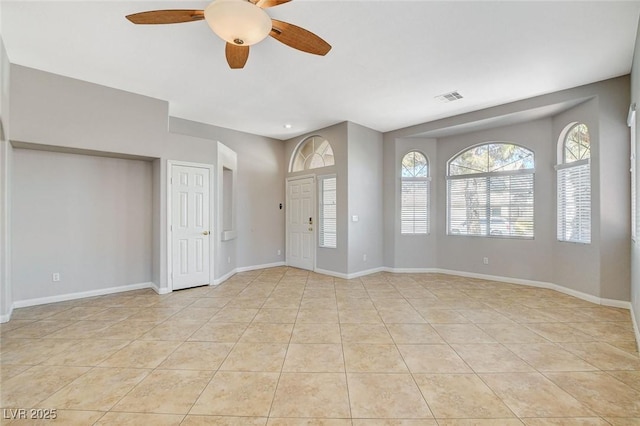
241, 23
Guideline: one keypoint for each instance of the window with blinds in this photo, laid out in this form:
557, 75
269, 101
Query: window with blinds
490, 192
574, 186
415, 188
328, 223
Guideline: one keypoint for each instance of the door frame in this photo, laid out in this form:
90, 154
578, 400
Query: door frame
212, 224
315, 212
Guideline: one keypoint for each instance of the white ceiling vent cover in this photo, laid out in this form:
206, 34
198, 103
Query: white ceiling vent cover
449, 97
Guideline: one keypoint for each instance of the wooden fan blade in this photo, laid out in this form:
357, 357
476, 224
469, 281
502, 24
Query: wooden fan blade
236, 55
268, 3
299, 38
174, 16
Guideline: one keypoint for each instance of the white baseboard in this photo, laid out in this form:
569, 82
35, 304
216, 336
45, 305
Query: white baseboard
225, 277
231, 273
80, 295
7, 316
254, 267
332, 273
615, 303
635, 319
411, 270
160, 291
350, 276
541, 284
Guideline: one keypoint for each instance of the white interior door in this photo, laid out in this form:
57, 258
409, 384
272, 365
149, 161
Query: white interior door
190, 226
301, 223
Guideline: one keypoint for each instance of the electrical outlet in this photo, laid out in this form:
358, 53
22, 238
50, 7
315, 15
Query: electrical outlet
279, 252
485, 260
55, 277
229, 259
364, 257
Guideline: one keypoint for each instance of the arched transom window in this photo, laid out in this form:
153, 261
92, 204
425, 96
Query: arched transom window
314, 152
414, 203
490, 191
574, 185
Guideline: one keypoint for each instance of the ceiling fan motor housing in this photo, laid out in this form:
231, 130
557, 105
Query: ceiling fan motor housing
238, 21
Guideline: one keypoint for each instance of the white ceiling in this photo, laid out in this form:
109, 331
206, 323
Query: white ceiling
389, 58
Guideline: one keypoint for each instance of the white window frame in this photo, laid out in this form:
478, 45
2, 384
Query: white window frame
631, 122
427, 214
297, 153
322, 201
488, 232
581, 168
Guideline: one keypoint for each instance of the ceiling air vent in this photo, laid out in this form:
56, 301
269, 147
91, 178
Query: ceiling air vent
449, 97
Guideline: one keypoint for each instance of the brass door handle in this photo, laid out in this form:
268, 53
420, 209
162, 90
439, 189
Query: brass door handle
205, 233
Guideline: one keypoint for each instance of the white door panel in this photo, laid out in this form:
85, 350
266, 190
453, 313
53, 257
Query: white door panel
301, 223
190, 226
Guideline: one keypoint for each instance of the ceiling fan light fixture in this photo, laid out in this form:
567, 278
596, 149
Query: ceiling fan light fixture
238, 21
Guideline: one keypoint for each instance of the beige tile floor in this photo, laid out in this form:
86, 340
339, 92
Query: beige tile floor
283, 346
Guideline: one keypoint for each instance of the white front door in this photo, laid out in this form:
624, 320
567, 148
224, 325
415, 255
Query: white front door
190, 226
301, 223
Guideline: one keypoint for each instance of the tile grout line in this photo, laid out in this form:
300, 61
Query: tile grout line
344, 358
284, 359
413, 378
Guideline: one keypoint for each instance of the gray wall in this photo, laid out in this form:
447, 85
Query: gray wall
566, 255
389, 203
365, 198
600, 269
516, 258
260, 190
6, 153
358, 153
331, 259
56, 113
61, 113
614, 190
53, 110
412, 250
635, 246
85, 217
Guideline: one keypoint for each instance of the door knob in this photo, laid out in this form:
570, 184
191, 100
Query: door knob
205, 233
310, 229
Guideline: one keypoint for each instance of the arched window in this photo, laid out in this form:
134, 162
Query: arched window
490, 191
312, 153
414, 204
574, 184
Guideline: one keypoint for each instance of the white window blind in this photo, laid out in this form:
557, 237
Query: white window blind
328, 214
490, 191
414, 211
498, 204
414, 194
574, 202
